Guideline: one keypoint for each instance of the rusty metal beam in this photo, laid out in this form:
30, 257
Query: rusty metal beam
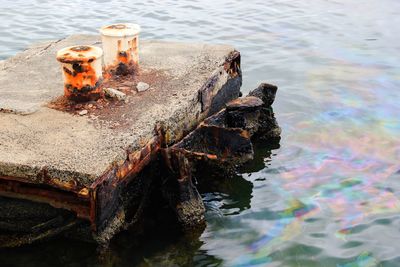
45, 194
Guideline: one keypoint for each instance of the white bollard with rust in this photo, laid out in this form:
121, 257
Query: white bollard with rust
82, 71
121, 48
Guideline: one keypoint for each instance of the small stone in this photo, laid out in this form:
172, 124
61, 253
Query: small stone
141, 86
83, 112
90, 105
113, 93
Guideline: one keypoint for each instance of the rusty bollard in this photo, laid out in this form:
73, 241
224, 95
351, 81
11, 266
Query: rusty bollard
82, 70
121, 48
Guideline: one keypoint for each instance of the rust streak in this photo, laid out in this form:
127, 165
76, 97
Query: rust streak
56, 198
53, 182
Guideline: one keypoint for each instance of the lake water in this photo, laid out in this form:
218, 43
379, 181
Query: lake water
329, 195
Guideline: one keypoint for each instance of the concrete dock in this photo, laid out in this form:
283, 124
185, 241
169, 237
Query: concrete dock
81, 162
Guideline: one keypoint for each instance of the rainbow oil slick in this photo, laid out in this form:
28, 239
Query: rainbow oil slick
364, 260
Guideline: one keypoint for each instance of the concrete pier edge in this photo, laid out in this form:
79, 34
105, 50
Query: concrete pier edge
79, 162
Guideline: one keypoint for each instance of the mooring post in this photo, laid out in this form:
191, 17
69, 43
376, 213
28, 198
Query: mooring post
81, 67
121, 48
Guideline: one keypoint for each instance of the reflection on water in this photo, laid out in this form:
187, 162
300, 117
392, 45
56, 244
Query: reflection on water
329, 195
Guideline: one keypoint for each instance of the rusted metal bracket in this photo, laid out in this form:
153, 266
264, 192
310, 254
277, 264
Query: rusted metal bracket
222, 141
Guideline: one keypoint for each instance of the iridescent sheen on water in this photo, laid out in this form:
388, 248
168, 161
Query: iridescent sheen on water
329, 195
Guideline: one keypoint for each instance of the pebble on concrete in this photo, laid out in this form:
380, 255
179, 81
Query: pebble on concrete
83, 112
141, 86
113, 93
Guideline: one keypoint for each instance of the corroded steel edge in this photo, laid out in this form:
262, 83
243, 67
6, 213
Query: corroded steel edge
231, 66
105, 197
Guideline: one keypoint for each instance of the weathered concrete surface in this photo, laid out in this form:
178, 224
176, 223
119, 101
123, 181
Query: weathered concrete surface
72, 150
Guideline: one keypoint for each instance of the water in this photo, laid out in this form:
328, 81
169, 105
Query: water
329, 195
